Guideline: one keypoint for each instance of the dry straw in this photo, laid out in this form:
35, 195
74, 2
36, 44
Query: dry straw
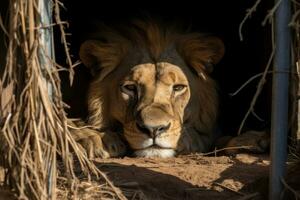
34, 136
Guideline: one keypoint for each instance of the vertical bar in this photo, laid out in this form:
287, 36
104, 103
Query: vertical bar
279, 127
46, 54
297, 135
46, 58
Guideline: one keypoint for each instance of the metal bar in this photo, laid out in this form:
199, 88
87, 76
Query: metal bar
279, 127
46, 57
46, 54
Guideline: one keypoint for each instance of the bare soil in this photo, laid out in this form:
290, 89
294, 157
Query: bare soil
184, 177
187, 177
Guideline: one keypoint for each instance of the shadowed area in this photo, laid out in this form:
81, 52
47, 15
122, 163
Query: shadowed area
185, 177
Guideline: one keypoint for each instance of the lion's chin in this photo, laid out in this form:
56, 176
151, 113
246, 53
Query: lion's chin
155, 152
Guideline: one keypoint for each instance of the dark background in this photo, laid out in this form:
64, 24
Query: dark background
242, 60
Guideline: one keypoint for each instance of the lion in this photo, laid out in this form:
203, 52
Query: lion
152, 94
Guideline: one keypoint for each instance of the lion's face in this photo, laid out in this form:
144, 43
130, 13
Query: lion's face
158, 105
154, 97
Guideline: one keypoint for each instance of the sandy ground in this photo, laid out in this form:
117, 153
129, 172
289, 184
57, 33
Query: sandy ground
187, 177
184, 177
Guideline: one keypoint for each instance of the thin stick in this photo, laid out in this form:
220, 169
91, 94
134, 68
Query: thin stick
269, 16
3, 27
295, 193
249, 11
227, 148
246, 83
257, 93
64, 39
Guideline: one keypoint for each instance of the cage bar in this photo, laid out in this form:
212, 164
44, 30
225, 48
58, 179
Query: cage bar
280, 96
46, 58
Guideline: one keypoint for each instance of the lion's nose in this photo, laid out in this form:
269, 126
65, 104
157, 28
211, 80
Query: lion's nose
152, 131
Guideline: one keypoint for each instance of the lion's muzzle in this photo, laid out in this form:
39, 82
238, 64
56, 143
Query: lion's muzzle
156, 132
153, 121
152, 131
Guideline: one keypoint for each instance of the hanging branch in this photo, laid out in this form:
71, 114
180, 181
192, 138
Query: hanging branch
249, 12
269, 17
257, 93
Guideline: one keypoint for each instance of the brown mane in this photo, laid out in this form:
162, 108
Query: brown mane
196, 49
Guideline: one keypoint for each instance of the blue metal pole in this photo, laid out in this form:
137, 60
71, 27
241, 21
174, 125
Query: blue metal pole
279, 127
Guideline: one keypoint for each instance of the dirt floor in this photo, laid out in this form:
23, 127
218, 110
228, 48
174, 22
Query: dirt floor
184, 177
187, 177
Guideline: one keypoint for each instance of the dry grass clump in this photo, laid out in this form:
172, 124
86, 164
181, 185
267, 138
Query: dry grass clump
33, 124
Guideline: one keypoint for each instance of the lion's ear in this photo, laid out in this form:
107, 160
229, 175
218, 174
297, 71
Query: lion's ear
100, 56
201, 52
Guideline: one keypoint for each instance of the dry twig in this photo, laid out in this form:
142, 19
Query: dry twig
249, 12
257, 93
289, 188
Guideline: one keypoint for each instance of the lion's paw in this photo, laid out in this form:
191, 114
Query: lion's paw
250, 141
94, 147
99, 144
114, 144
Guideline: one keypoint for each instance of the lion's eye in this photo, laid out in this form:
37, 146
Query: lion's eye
129, 88
179, 87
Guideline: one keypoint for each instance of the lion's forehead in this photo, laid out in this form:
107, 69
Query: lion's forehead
143, 73
170, 73
165, 72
